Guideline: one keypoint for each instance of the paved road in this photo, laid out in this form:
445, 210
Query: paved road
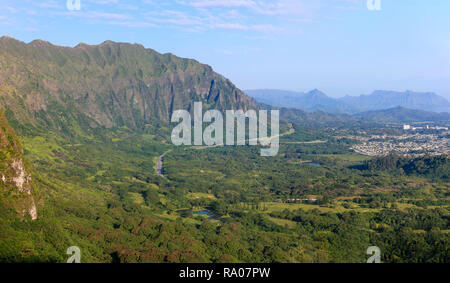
159, 164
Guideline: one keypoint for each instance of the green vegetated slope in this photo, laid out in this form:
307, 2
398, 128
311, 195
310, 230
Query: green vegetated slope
17, 189
19, 197
94, 119
111, 84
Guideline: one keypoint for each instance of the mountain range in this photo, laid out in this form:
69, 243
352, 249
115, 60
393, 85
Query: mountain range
379, 100
402, 115
114, 84
107, 85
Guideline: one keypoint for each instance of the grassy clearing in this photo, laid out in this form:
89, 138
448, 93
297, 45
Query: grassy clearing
136, 197
44, 149
334, 208
347, 157
166, 216
307, 142
200, 195
282, 222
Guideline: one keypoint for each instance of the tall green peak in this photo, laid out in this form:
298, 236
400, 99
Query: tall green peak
107, 85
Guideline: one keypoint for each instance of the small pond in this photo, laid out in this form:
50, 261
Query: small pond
203, 212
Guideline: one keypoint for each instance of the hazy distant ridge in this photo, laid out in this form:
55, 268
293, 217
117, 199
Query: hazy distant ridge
378, 100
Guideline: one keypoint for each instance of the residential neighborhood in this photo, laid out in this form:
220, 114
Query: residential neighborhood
408, 144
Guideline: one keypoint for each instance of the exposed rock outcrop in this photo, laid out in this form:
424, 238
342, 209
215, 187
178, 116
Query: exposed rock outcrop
15, 184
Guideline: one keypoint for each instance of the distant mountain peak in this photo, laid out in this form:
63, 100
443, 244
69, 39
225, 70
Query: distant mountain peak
5, 37
386, 99
317, 93
39, 42
106, 42
402, 115
82, 44
377, 100
8, 39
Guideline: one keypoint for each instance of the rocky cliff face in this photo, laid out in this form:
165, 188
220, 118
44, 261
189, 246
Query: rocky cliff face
16, 186
111, 84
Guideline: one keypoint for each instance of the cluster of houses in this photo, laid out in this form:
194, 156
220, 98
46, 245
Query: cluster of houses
407, 127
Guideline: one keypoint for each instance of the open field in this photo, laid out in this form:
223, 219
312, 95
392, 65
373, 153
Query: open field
200, 195
282, 222
347, 157
334, 208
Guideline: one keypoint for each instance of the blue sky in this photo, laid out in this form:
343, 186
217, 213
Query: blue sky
338, 46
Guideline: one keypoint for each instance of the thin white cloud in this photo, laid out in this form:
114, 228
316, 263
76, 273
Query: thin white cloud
259, 17
97, 15
272, 8
53, 4
174, 17
205, 21
242, 27
102, 2
132, 24
222, 3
